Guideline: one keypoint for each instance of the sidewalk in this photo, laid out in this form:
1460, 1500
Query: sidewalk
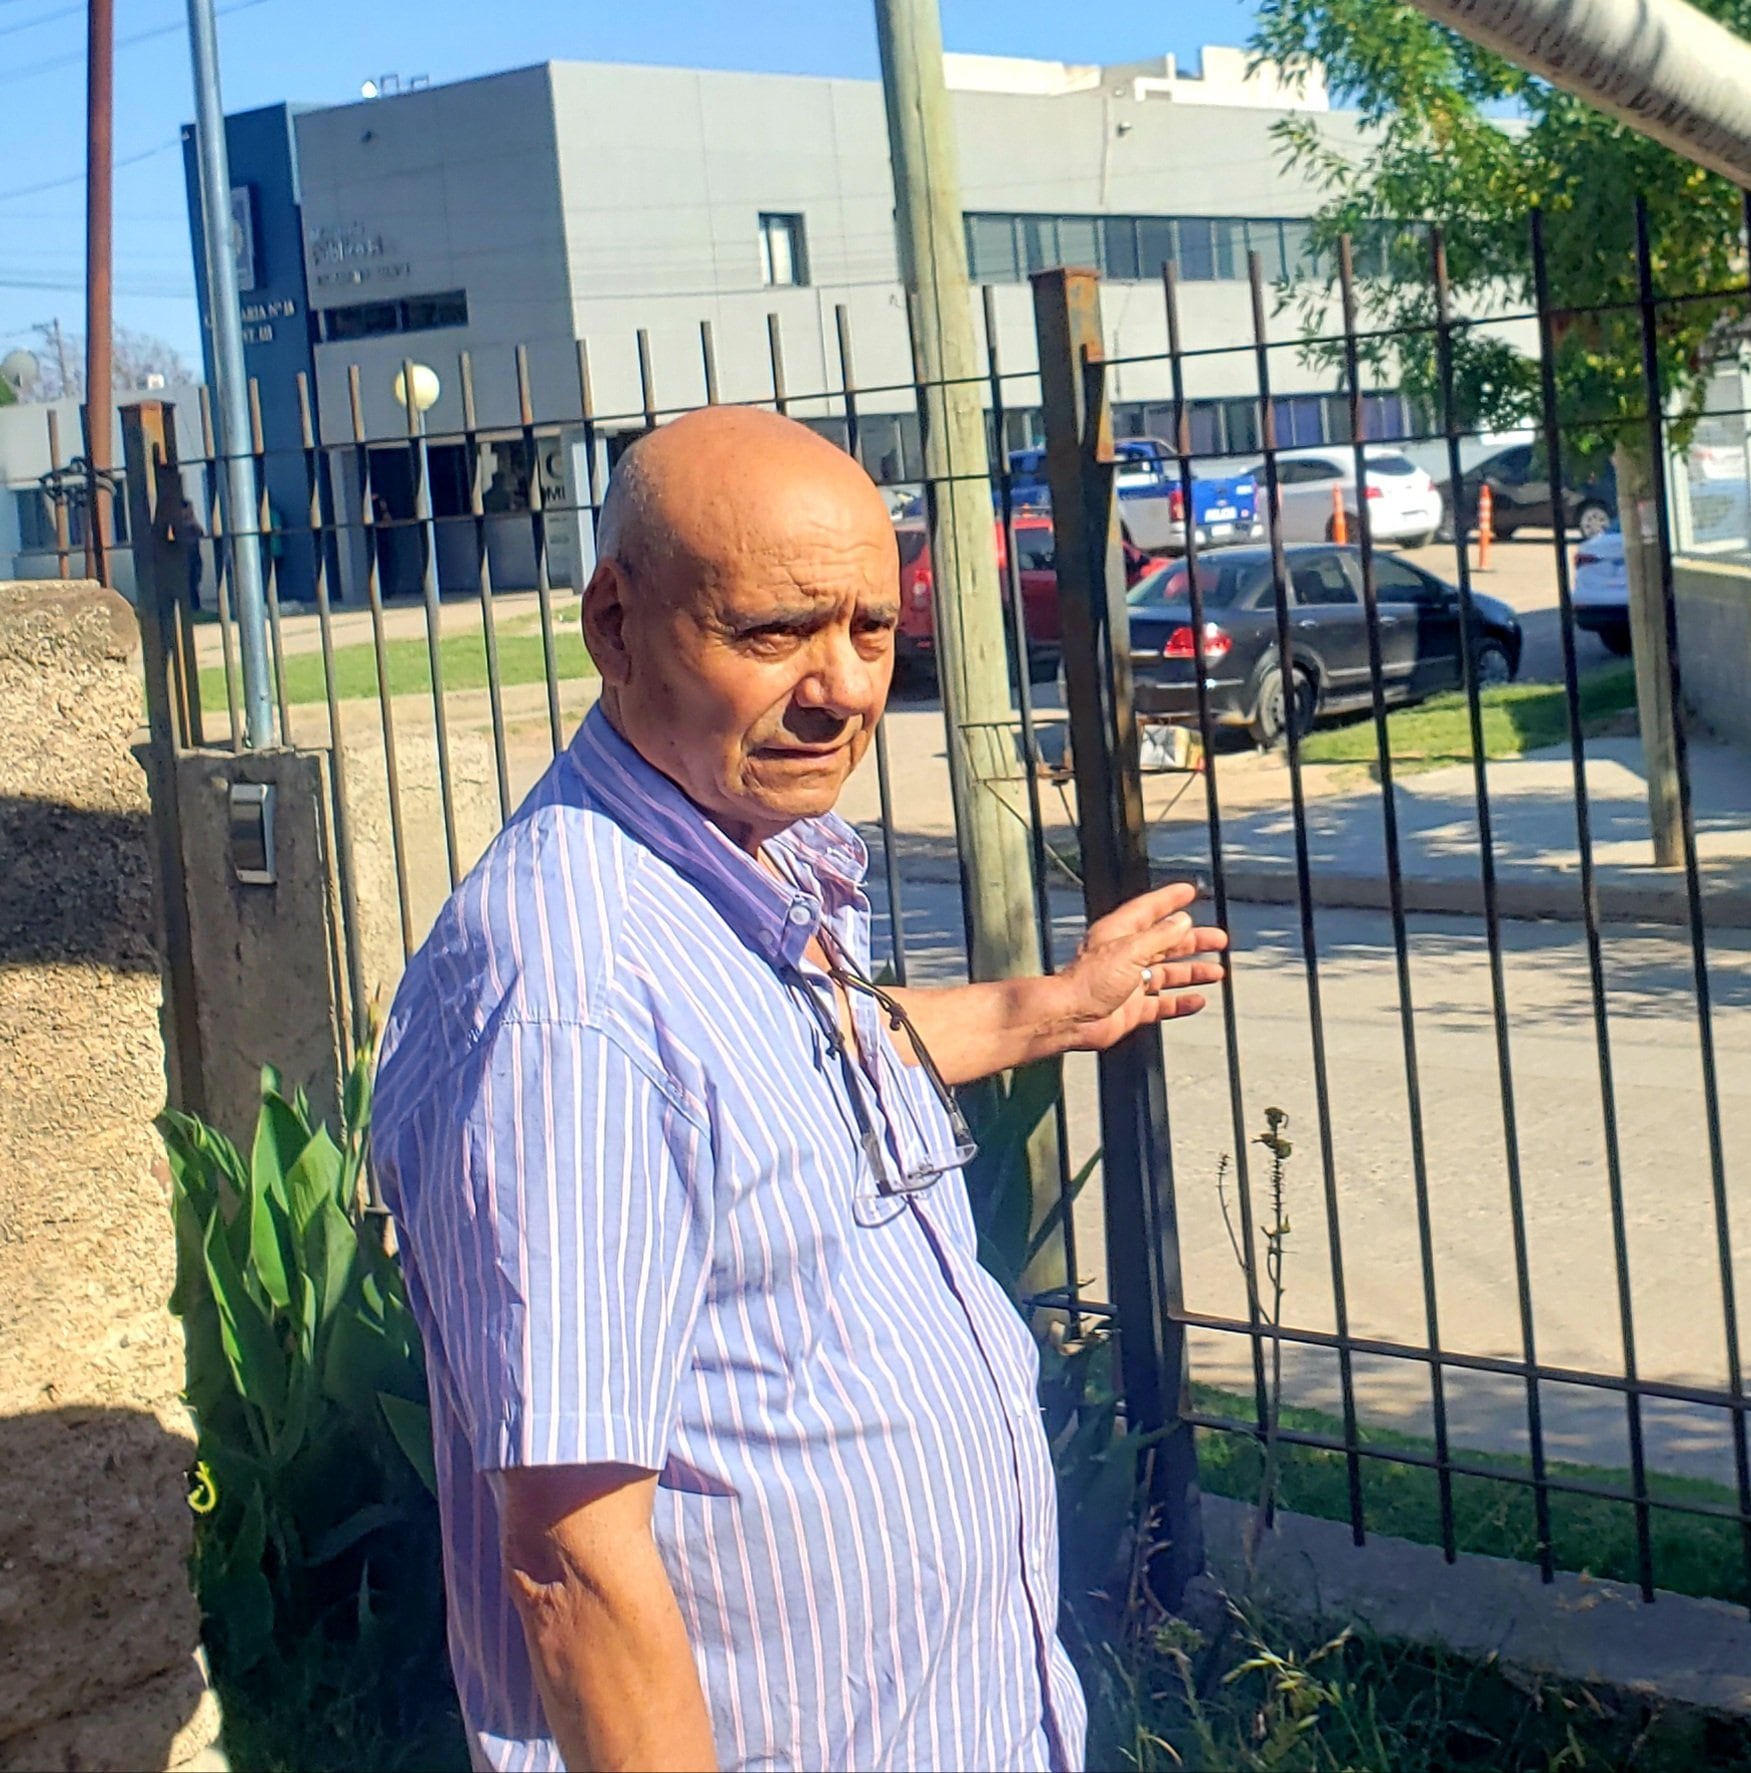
1534, 840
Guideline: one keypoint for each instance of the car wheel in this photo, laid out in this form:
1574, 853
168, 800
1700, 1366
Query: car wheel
1592, 520
1494, 667
1421, 541
1616, 641
1352, 527
1270, 722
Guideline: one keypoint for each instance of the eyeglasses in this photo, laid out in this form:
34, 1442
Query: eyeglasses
891, 1190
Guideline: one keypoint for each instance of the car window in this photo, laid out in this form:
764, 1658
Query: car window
1033, 550
911, 545
1224, 584
1397, 582
1390, 465
1302, 471
1320, 581
1513, 464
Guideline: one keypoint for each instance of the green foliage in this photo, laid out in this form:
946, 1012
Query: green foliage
1460, 137
316, 1536
1517, 718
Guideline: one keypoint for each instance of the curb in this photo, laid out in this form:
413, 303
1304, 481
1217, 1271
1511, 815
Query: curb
1555, 899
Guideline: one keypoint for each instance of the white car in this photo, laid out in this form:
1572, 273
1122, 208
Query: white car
1600, 590
1404, 504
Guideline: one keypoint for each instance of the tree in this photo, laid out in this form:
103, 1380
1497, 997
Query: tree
1458, 136
137, 359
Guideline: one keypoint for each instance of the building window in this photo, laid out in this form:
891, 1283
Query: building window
371, 320
1133, 248
784, 258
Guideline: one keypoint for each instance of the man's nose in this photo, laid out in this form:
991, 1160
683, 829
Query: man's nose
840, 680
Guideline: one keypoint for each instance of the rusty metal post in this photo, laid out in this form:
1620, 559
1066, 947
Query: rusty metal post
154, 491
1142, 1229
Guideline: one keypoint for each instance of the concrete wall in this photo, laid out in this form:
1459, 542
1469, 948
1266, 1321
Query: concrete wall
100, 1630
1714, 644
265, 957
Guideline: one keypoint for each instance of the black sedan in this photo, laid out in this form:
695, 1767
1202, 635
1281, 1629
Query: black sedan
1419, 637
1520, 494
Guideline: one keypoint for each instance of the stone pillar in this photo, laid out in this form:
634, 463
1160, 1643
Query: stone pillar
99, 1633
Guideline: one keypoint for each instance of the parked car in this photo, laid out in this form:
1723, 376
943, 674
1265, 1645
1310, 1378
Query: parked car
1152, 498
1036, 569
1600, 590
1520, 495
1404, 504
1419, 637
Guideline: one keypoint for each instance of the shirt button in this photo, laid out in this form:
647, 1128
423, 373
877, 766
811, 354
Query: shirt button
800, 913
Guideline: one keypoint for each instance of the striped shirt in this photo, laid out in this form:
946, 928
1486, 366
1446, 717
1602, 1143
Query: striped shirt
640, 1226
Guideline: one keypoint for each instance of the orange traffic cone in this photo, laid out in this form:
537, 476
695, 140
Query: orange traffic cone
1486, 517
1340, 524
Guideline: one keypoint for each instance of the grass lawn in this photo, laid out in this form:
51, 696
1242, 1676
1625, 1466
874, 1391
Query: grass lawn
462, 656
1692, 1553
1517, 717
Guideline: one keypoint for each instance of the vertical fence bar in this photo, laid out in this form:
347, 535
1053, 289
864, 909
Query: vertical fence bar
1711, 1095
587, 414
374, 593
427, 532
1030, 764
646, 381
1294, 714
221, 578
1450, 424
884, 784
264, 524
775, 351
538, 530
1137, 1150
358, 1004
489, 633
63, 549
708, 361
1407, 1022
1182, 437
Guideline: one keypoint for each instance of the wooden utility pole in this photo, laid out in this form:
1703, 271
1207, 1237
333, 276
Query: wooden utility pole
971, 657
99, 320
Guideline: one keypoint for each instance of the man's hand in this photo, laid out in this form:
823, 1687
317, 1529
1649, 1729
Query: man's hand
1134, 967
617, 1677
1104, 994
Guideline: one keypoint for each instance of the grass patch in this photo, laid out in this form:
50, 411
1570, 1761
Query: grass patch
1693, 1554
462, 658
1517, 718
1264, 1694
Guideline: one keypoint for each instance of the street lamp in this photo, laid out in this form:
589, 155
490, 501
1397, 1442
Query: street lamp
417, 389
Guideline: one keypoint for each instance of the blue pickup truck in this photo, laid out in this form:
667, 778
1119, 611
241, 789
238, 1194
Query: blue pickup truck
1152, 501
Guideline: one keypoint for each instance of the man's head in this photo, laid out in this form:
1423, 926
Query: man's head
742, 614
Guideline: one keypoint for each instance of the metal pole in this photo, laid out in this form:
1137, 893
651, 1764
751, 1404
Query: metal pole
971, 657
231, 383
1659, 66
99, 321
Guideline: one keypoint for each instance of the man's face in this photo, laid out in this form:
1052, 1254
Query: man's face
753, 673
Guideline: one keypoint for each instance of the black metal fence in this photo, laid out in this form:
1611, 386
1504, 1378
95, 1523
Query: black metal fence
383, 677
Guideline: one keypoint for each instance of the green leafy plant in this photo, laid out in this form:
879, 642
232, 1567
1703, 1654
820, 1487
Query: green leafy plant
316, 1556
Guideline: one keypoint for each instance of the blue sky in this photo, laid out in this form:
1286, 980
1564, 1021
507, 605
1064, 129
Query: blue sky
320, 50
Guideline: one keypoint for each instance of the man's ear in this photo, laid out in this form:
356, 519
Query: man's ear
605, 622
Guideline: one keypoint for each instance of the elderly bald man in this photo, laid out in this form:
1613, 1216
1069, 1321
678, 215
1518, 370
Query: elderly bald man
739, 1455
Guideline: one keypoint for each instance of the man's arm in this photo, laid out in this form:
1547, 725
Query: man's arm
973, 1031
617, 1677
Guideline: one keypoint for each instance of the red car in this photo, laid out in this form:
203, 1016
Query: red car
1039, 587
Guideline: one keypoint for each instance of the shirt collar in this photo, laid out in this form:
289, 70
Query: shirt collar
778, 919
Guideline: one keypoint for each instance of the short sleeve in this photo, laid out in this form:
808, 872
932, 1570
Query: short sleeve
564, 1270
